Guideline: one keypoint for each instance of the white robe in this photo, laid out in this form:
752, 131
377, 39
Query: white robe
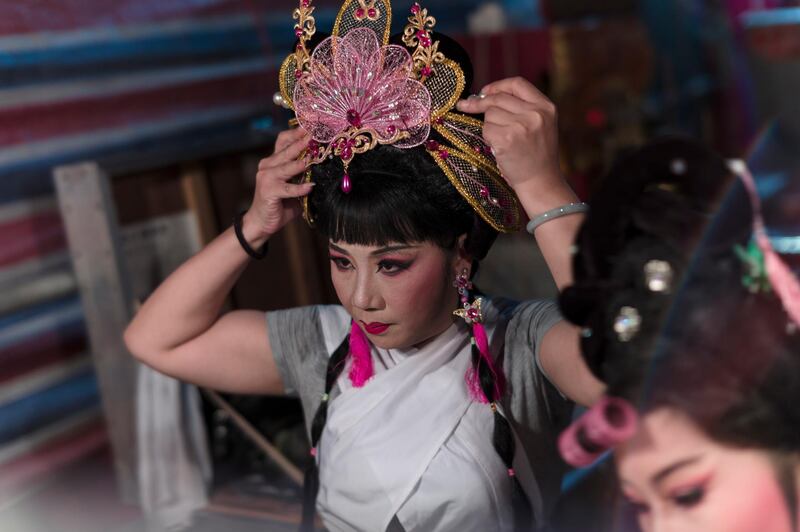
411, 443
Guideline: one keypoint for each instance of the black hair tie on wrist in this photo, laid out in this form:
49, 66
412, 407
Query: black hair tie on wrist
237, 228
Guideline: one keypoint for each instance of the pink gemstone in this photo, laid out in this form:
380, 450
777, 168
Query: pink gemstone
444, 154
298, 74
372, 12
426, 71
439, 120
472, 313
415, 8
391, 130
346, 185
298, 32
484, 192
305, 3
432, 145
426, 43
347, 153
359, 13
354, 118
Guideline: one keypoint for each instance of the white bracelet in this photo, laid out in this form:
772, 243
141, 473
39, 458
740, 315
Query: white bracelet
552, 214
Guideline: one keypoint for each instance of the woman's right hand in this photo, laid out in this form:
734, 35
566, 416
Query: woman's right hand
274, 202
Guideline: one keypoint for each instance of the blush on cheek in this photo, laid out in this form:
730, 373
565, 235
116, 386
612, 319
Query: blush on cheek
760, 506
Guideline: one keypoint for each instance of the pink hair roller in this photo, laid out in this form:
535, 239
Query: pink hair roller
609, 422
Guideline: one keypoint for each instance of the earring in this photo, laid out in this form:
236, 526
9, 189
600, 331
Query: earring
471, 313
463, 285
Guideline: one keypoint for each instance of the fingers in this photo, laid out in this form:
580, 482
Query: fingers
516, 95
291, 190
499, 116
293, 145
283, 172
287, 137
517, 86
477, 105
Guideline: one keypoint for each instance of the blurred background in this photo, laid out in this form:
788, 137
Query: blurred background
129, 136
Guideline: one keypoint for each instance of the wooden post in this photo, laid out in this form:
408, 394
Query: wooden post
89, 217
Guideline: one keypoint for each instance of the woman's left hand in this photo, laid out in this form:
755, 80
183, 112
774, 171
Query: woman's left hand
520, 125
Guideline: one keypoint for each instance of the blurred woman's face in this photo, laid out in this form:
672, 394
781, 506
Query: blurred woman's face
401, 294
679, 480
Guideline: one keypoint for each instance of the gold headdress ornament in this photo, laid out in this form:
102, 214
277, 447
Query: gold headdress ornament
355, 91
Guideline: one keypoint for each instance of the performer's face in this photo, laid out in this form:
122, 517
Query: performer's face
679, 480
401, 294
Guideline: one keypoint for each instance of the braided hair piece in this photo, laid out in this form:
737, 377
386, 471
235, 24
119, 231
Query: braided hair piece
486, 384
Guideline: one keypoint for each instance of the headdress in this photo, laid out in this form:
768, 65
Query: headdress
355, 91
662, 306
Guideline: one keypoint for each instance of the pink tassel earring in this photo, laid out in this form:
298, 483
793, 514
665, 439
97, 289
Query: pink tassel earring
471, 313
361, 368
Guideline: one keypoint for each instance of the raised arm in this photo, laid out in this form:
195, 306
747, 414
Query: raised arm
520, 124
179, 330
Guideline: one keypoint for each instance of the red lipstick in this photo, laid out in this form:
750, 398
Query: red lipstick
375, 327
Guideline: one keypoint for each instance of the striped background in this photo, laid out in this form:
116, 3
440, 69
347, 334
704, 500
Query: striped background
92, 80
110, 81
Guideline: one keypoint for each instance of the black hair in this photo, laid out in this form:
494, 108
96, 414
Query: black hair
710, 347
398, 195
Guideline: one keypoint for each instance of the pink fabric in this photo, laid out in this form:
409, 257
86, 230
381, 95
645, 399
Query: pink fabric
355, 82
361, 369
781, 278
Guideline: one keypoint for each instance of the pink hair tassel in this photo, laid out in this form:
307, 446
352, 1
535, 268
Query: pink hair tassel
473, 377
361, 369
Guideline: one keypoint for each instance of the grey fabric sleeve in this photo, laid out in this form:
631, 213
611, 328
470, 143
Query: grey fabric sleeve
298, 347
529, 323
538, 409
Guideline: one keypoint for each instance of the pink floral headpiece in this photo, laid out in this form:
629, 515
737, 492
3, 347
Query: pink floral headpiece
356, 91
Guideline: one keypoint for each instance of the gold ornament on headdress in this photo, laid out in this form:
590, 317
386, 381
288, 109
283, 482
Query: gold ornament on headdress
418, 35
356, 91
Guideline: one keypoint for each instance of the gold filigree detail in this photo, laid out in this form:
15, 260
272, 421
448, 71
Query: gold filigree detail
441, 126
471, 313
286, 80
454, 93
304, 29
367, 11
479, 164
306, 179
417, 35
383, 18
353, 141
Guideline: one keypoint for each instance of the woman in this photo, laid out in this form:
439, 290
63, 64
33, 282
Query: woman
417, 421
691, 317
